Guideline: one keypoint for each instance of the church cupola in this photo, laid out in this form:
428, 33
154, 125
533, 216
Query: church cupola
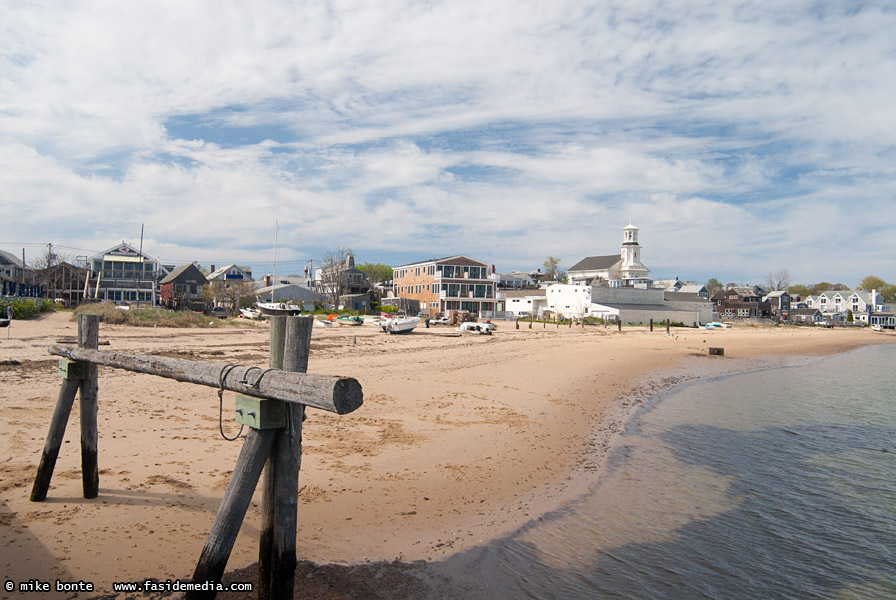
631, 267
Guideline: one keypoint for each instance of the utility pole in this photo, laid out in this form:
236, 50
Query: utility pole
140, 270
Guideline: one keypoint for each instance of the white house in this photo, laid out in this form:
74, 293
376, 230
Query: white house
617, 270
836, 302
627, 304
523, 303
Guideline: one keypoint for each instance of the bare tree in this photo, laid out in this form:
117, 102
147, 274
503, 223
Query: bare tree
49, 258
333, 279
232, 294
778, 280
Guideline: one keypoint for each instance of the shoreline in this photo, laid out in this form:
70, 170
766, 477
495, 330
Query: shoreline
460, 441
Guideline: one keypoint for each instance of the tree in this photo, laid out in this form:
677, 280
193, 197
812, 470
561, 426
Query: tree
552, 268
798, 289
817, 288
872, 283
889, 293
333, 269
713, 286
376, 272
49, 258
233, 294
778, 280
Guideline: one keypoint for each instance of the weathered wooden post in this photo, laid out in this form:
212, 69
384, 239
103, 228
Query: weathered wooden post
237, 497
619, 324
277, 548
517, 323
88, 337
266, 537
272, 405
668, 324
651, 324
67, 394
77, 376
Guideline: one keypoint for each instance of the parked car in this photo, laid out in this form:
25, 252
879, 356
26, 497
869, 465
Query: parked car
218, 311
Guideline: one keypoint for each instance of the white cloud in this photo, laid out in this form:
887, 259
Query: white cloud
505, 130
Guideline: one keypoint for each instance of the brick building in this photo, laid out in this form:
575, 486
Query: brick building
444, 284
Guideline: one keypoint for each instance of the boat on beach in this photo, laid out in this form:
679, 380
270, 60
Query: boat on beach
349, 320
399, 324
278, 309
250, 313
477, 328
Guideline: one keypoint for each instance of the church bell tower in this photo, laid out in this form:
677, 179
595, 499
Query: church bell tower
631, 267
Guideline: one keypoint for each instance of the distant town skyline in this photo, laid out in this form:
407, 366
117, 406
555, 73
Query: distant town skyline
741, 140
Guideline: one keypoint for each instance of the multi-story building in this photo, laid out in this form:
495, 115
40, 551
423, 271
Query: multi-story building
741, 302
11, 268
862, 304
122, 274
444, 284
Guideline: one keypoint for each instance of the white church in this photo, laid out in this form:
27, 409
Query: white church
614, 270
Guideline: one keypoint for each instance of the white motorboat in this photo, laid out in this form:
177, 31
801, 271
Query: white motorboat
477, 328
400, 324
278, 309
250, 313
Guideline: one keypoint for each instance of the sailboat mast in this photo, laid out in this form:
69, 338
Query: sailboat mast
274, 278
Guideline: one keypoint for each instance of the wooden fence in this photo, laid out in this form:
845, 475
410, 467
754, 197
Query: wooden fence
274, 401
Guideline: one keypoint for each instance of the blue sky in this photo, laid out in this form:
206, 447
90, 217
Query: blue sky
741, 138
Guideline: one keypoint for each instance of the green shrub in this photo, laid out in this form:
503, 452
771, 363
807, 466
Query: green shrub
26, 308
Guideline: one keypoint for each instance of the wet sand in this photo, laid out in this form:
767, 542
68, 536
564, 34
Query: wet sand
461, 440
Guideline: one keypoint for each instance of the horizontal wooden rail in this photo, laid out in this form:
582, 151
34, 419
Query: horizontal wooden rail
332, 393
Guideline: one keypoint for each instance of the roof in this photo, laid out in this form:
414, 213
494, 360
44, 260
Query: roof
686, 297
290, 291
595, 263
440, 260
803, 311
661, 307
692, 288
9, 259
223, 271
524, 293
176, 273
125, 250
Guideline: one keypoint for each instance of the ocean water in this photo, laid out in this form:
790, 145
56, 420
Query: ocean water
779, 483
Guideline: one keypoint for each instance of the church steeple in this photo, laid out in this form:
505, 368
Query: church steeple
631, 267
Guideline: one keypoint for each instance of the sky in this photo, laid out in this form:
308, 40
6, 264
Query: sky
742, 138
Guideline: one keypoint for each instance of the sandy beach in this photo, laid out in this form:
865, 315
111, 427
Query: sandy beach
460, 439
